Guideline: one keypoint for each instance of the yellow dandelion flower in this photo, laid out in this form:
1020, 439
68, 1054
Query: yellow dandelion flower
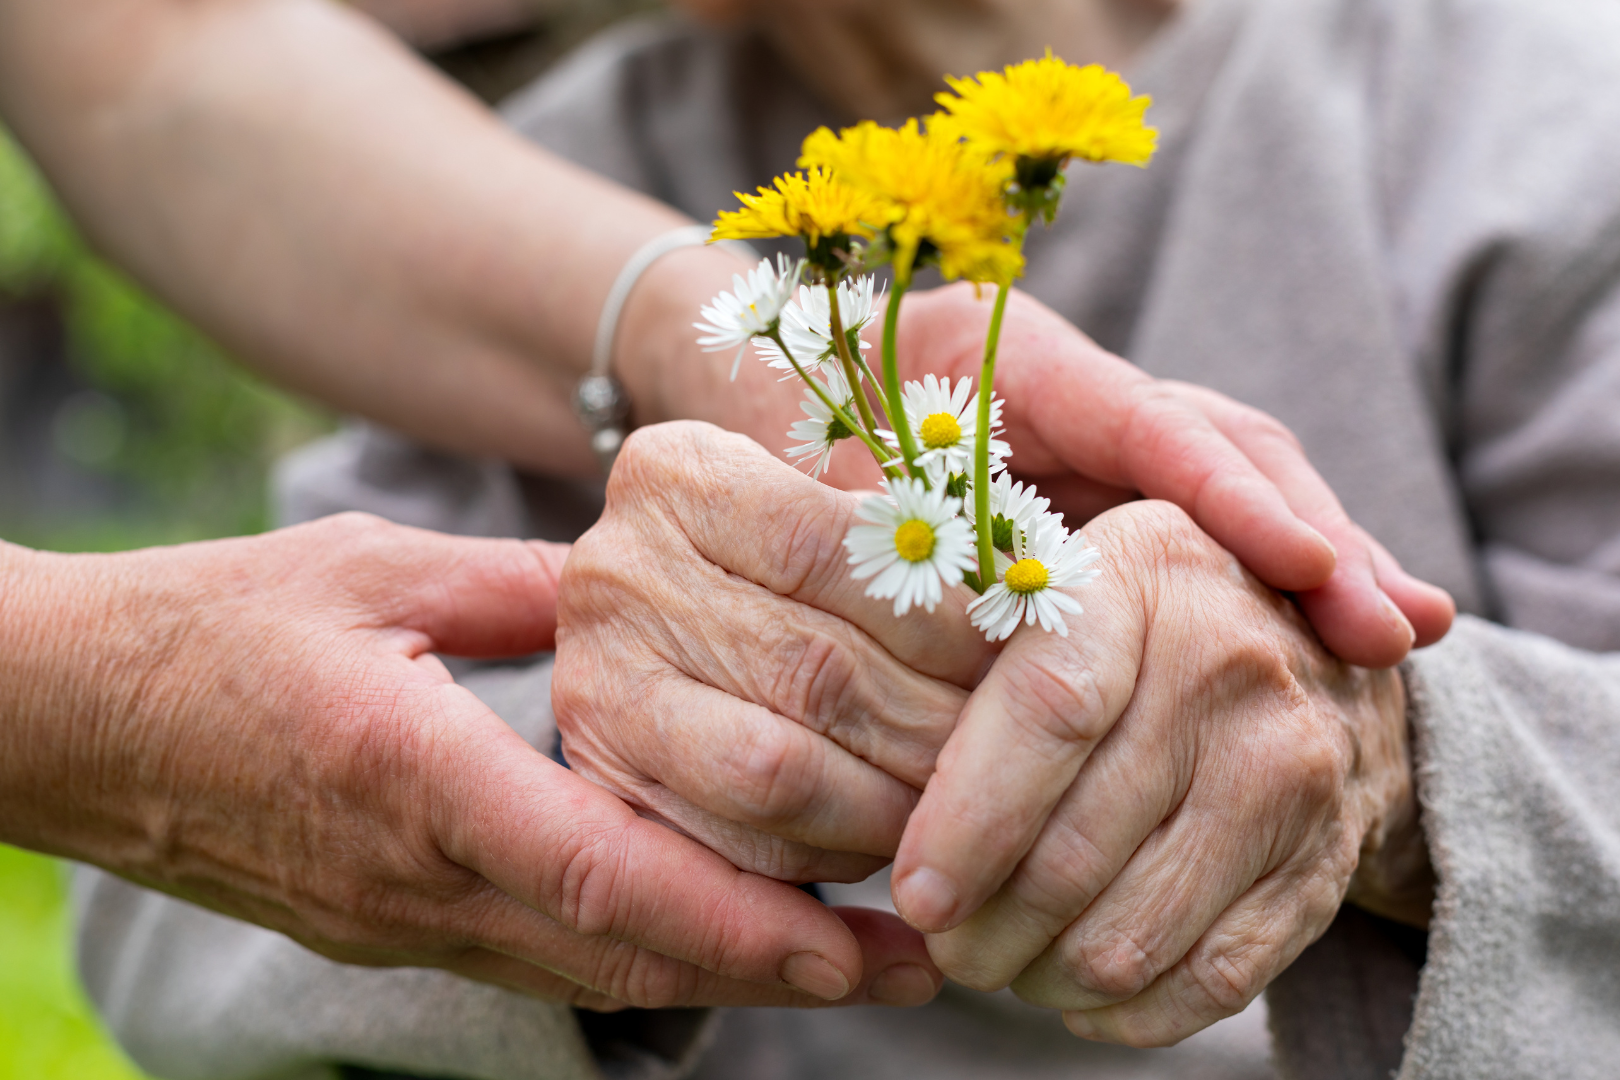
813, 205
1049, 110
939, 191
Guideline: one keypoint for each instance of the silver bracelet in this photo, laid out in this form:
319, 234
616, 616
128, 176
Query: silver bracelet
600, 400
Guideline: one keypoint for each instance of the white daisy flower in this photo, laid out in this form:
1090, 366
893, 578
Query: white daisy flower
1051, 559
915, 545
1013, 506
823, 430
807, 324
753, 308
945, 423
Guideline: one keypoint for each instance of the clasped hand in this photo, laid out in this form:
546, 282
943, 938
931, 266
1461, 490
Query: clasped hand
1140, 824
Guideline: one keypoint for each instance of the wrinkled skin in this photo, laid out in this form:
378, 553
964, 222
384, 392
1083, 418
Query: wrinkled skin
718, 667
1140, 823
1145, 822
259, 726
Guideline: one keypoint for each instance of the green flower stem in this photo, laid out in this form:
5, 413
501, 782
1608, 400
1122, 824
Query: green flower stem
891, 380
877, 388
981, 447
847, 362
981, 440
879, 451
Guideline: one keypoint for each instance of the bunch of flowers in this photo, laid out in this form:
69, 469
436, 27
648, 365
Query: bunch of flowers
958, 191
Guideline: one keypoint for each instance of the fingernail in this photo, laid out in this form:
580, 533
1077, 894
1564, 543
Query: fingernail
926, 900
1395, 617
903, 985
1080, 1024
814, 975
1326, 543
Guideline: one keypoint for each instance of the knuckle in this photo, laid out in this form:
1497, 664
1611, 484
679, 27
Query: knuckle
584, 888
814, 679
356, 525
771, 774
1116, 967
1058, 702
1229, 980
1263, 427
642, 979
1065, 878
651, 459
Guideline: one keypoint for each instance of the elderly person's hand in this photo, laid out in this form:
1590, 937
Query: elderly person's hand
718, 667
259, 726
1143, 822
1092, 430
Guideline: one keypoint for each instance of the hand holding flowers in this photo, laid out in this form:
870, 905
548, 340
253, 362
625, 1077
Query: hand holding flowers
960, 192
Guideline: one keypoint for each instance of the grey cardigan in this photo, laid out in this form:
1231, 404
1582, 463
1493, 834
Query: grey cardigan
1395, 225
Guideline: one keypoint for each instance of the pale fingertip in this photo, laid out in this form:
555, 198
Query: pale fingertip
815, 975
1331, 552
927, 900
903, 986
1397, 620
1081, 1024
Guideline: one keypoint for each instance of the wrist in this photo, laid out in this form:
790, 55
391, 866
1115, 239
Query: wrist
73, 665
668, 377
1393, 877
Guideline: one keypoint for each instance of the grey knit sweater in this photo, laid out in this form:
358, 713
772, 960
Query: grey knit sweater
1395, 225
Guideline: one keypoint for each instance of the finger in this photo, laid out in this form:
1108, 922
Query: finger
1147, 918
1024, 735
797, 661
761, 519
1247, 947
760, 788
1250, 812
581, 857
1119, 798
1142, 435
468, 597
1355, 618
894, 957
1429, 608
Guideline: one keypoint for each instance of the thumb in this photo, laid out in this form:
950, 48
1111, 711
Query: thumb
567, 848
468, 596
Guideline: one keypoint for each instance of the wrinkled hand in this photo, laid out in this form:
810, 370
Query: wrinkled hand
1092, 431
718, 667
1144, 822
259, 726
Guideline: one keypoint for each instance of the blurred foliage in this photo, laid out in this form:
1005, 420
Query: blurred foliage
188, 432
48, 1030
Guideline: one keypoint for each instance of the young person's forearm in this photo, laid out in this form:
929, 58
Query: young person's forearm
299, 185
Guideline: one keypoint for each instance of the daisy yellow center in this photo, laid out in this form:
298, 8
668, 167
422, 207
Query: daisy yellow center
914, 540
1026, 576
941, 430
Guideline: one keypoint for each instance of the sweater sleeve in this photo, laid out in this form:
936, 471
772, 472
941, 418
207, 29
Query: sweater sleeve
1518, 757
